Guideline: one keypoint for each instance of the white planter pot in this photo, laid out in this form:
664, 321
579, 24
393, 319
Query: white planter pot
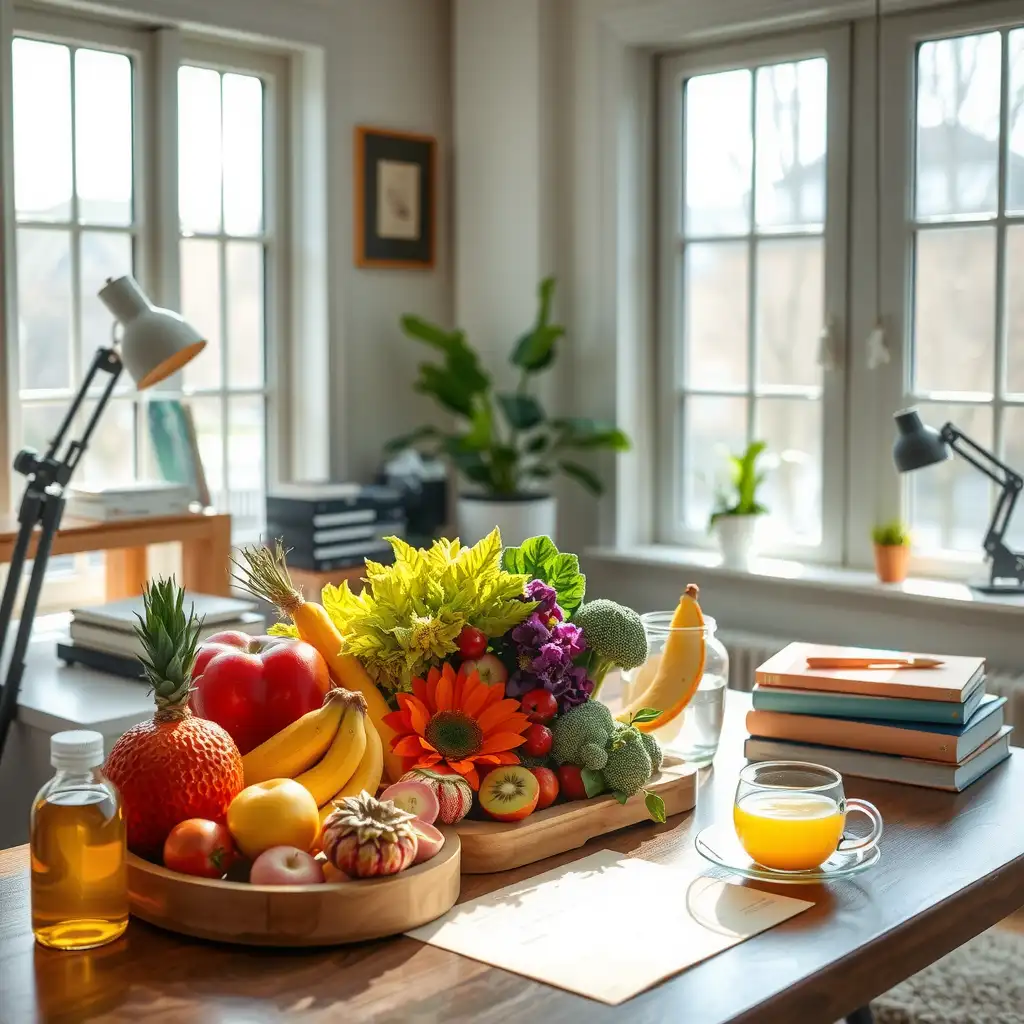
517, 518
737, 539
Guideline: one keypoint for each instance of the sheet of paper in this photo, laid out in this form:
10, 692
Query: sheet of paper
653, 920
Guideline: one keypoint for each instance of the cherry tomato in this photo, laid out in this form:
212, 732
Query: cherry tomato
197, 846
539, 706
472, 642
538, 740
548, 787
571, 781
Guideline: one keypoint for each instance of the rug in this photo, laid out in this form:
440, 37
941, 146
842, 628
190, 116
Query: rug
982, 982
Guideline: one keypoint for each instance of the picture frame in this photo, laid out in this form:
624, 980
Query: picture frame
395, 199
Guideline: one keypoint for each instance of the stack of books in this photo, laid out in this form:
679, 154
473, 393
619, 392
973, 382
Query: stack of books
103, 636
128, 501
934, 727
335, 526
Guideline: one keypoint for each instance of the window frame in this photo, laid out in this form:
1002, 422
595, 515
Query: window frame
900, 41
832, 43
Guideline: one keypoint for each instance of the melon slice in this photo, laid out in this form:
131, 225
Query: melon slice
680, 668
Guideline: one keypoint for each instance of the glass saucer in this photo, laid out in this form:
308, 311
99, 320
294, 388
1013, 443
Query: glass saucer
718, 844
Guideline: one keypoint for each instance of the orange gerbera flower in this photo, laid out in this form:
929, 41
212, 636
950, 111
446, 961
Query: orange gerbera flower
456, 720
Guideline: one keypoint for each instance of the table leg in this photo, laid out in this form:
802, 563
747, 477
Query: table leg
126, 573
861, 1016
206, 561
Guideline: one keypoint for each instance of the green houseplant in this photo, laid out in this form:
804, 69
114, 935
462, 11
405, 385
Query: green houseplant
502, 442
892, 551
737, 509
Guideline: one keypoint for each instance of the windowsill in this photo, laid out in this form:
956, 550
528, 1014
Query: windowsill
829, 579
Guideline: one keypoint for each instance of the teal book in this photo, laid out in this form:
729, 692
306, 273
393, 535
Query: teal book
859, 705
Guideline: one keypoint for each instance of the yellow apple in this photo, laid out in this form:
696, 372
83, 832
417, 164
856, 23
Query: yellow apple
278, 812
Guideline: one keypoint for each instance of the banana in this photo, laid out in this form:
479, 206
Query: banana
298, 746
335, 768
367, 774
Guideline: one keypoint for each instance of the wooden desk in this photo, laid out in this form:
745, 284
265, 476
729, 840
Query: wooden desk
951, 866
205, 540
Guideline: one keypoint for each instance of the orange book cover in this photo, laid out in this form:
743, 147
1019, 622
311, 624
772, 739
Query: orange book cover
951, 681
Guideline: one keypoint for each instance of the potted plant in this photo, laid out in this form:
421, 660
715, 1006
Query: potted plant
892, 551
503, 443
734, 520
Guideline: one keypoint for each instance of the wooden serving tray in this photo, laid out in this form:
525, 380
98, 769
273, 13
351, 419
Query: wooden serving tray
499, 846
299, 915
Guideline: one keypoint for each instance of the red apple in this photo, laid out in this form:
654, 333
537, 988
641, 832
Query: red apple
538, 740
489, 668
285, 865
548, 787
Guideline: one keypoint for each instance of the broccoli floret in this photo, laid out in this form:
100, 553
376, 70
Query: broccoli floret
615, 637
654, 751
629, 766
590, 723
593, 756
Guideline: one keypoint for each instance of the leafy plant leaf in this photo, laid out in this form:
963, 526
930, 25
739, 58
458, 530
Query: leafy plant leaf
423, 330
621, 797
581, 432
538, 444
593, 782
655, 806
539, 559
481, 426
644, 715
535, 350
522, 411
585, 477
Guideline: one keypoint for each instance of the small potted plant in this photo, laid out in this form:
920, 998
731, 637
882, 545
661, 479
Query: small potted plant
892, 551
503, 444
735, 518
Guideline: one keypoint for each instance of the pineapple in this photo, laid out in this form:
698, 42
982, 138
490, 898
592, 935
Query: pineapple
176, 766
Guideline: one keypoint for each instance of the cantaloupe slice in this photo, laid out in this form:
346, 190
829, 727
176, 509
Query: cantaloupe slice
680, 668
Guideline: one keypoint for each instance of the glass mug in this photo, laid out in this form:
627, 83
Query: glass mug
790, 816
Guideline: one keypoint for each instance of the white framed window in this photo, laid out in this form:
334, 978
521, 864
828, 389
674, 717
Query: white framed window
752, 271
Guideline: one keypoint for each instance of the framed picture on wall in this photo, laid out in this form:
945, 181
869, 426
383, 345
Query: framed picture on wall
395, 198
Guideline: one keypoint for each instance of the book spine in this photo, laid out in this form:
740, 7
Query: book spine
844, 684
842, 705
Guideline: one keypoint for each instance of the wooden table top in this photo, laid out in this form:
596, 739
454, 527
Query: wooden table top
951, 866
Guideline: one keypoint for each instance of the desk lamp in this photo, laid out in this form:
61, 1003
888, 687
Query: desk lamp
918, 445
154, 343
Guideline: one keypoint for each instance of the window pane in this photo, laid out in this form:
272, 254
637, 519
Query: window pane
110, 457
713, 429
791, 141
207, 414
103, 137
199, 149
200, 306
1013, 443
954, 309
103, 254
958, 126
790, 310
245, 314
1015, 140
715, 311
243, 155
39, 423
42, 130
44, 308
950, 503
718, 153
792, 490
1015, 309
246, 464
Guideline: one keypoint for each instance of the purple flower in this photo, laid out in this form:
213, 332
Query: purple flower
520, 684
551, 656
570, 636
531, 632
573, 688
538, 590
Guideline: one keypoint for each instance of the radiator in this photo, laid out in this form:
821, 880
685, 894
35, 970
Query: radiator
748, 650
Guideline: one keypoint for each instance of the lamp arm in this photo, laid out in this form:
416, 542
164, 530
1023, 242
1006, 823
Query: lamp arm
969, 449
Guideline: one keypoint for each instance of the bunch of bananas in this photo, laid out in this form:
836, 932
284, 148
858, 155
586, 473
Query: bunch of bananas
334, 752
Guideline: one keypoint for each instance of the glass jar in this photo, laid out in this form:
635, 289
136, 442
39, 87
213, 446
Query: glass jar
693, 734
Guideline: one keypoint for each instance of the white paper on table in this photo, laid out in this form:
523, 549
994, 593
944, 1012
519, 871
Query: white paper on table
607, 926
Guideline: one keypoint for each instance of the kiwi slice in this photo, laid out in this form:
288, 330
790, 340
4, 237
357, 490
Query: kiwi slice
509, 793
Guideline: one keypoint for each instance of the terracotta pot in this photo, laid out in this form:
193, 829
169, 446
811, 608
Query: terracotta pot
891, 561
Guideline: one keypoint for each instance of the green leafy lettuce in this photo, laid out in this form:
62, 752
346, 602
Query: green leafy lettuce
539, 559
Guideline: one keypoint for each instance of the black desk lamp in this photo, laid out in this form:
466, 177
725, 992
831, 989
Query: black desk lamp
918, 445
154, 343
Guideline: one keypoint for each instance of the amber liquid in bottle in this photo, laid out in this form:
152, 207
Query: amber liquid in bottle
79, 869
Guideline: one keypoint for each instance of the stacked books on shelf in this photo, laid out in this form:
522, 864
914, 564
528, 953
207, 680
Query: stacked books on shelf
929, 726
128, 501
103, 637
335, 526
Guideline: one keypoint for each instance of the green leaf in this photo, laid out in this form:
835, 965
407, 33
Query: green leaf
397, 444
535, 350
585, 477
593, 782
522, 411
539, 559
621, 797
545, 294
481, 426
655, 806
538, 444
423, 330
581, 432
644, 715
451, 391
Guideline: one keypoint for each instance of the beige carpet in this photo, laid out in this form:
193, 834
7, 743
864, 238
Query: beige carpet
982, 982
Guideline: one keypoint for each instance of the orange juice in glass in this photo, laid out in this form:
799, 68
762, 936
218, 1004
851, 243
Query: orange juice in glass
790, 816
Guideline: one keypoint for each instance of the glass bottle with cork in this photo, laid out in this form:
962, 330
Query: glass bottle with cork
78, 849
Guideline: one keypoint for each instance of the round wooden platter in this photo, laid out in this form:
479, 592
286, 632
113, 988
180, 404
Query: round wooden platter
299, 915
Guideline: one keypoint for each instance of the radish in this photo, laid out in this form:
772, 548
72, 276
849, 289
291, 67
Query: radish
415, 797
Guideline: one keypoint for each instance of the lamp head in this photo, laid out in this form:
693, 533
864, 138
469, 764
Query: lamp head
155, 342
917, 445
